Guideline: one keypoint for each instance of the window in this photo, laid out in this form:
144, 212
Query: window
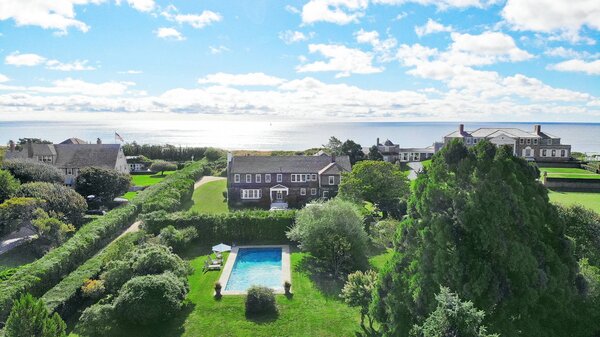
474, 140
468, 140
553, 153
313, 177
300, 178
303, 191
69, 171
549, 141
258, 178
528, 141
279, 177
313, 191
325, 194
251, 194
535, 141
521, 141
267, 178
563, 153
236, 178
527, 152
331, 180
248, 178
544, 153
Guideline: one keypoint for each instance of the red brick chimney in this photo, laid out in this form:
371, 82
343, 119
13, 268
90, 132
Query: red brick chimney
537, 129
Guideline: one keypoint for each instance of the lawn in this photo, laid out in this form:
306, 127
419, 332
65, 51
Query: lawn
208, 198
586, 199
148, 179
315, 308
561, 172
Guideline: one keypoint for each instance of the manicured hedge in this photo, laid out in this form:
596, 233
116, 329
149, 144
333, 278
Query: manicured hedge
41, 275
236, 227
66, 297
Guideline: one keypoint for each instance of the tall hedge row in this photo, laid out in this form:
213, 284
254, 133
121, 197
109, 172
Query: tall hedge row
42, 274
236, 227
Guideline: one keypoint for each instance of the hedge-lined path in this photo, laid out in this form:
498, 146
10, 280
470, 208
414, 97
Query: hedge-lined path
207, 179
136, 225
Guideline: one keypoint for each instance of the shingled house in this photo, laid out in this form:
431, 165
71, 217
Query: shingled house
534, 146
393, 153
282, 181
72, 155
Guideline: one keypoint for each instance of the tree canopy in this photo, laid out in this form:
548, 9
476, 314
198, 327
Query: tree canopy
378, 182
479, 222
162, 166
104, 183
29, 317
8, 185
62, 202
31, 171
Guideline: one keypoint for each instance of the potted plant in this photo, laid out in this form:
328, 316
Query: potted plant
218, 289
287, 285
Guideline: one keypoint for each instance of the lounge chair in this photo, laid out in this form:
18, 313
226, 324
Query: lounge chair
211, 265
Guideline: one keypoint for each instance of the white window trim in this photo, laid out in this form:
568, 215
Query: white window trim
248, 178
535, 141
267, 178
257, 178
313, 191
468, 140
236, 178
279, 177
313, 177
251, 194
331, 180
303, 191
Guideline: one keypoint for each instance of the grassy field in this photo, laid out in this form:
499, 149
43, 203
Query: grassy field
208, 198
148, 179
560, 172
589, 200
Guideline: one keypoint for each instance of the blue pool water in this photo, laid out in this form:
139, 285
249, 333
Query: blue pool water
256, 266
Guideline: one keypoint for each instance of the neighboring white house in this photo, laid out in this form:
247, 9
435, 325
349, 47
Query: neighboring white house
71, 157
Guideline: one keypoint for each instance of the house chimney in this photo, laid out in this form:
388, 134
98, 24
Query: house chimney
461, 128
12, 146
537, 129
98, 141
333, 157
29, 149
377, 141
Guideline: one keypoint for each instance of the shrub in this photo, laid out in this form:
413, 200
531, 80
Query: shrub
93, 289
51, 230
27, 171
30, 318
260, 300
213, 154
162, 166
383, 232
67, 204
104, 183
15, 212
333, 233
97, 320
151, 298
358, 292
177, 239
8, 185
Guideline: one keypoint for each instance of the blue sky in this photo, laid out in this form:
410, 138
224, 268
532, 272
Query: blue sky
440, 60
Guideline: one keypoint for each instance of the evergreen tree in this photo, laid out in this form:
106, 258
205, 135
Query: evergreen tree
30, 318
481, 224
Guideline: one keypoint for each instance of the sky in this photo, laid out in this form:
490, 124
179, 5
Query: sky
315, 60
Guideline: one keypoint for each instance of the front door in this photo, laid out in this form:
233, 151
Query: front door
279, 196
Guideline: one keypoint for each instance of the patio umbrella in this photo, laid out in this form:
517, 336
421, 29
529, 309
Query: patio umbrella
221, 247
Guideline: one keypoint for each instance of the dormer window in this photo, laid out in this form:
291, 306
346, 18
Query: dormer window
535, 141
331, 180
528, 141
522, 141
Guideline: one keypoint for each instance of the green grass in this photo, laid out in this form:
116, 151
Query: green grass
561, 172
315, 308
208, 198
129, 195
148, 179
586, 199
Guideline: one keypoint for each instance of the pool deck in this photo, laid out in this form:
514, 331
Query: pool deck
286, 270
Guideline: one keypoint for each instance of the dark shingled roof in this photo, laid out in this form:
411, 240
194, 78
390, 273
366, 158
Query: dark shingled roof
74, 141
84, 155
285, 164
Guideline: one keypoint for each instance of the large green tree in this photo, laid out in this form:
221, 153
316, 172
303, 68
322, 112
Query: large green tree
104, 183
8, 185
378, 182
162, 166
62, 202
26, 171
480, 223
353, 151
29, 317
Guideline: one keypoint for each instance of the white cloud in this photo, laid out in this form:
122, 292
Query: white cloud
4, 78
401, 16
340, 59
169, 33
292, 9
485, 48
442, 4
24, 60
431, 27
565, 17
73, 66
55, 14
576, 65
565, 53
217, 49
290, 36
142, 5
198, 21
131, 72
384, 49
340, 12
250, 79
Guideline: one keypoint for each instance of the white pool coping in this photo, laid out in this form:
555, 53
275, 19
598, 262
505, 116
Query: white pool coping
286, 270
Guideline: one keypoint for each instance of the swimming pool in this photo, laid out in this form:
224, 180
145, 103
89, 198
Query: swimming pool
247, 266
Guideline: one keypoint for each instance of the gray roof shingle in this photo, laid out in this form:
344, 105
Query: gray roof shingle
285, 164
73, 155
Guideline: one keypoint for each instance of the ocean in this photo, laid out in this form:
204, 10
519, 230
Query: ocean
264, 135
